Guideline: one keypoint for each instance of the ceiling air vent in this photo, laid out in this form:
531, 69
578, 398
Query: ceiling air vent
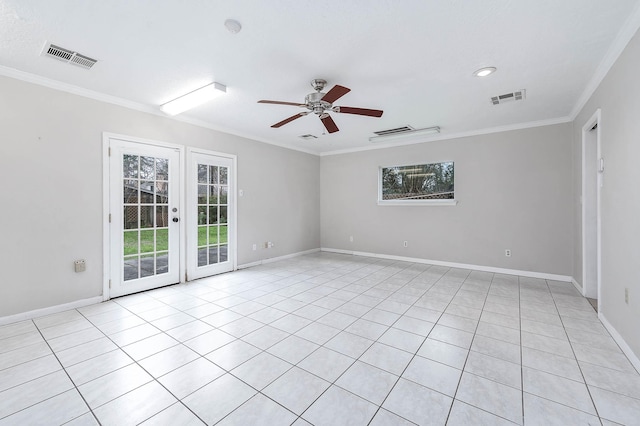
308, 137
394, 131
518, 95
68, 56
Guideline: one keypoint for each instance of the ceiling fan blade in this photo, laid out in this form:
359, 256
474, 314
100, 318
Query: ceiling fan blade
359, 111
329, 124
335, 93
281, 103
290, 119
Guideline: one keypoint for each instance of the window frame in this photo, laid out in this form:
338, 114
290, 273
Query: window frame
437, 202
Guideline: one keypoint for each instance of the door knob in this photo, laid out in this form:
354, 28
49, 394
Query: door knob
175, 219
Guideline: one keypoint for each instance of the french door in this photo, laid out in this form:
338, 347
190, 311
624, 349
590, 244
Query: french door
210, 201
150, 243
145, 215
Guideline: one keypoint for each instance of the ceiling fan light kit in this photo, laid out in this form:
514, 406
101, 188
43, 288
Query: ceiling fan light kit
321, 104
193, 99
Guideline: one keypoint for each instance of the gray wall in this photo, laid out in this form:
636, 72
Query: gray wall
618, 96
51, 174
514, 191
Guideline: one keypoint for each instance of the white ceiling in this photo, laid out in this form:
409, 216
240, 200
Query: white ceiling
413, 59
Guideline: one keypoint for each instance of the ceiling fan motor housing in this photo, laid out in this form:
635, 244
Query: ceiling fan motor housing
315, 103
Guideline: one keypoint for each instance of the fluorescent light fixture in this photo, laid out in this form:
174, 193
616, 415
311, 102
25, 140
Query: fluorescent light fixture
483, 72
193, 99
406, 135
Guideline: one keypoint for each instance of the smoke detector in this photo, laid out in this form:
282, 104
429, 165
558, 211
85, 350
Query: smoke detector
233, 26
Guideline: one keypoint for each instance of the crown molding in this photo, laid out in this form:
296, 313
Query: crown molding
415, 140
137, 106
625, 34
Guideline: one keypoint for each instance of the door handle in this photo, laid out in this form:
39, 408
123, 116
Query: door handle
175, 219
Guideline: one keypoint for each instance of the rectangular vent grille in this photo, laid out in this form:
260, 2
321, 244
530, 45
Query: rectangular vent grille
518, 95
394, 131
68, 56
307, 137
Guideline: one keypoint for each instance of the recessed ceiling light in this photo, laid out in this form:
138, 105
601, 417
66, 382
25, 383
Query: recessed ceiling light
483, 72
193, 99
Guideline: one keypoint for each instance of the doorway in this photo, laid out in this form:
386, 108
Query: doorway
144, 214
159, 231
592, 175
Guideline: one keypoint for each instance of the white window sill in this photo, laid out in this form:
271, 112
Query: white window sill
418, 203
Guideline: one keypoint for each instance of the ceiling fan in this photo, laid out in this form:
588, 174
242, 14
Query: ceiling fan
321, 103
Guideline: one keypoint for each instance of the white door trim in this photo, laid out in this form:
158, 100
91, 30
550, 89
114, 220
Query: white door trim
233, 189
594, 120
106, 238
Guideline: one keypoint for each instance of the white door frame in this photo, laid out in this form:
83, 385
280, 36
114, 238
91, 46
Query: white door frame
593, 121
106, 182
191, 221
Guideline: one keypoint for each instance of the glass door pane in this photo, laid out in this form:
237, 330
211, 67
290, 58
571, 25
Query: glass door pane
209, 251
212, 229
145, 216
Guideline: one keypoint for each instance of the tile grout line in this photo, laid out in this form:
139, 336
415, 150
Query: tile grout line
138, 364
292, 366
467, 359
419, 347
521, 350
574, 355
307, 299
67, 373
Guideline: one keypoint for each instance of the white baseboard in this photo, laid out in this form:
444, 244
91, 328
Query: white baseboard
49, 310
276, 259
542, 275
250, 265
633, 358
577, 285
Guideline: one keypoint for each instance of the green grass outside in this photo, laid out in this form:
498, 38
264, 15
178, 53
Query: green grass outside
146, 241
162, 239
213, 235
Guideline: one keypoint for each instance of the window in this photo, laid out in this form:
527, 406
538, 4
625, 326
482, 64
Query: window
417, 184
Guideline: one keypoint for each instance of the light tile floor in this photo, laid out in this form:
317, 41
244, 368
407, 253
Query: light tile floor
323, 339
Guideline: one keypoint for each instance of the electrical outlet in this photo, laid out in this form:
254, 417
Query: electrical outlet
626, 296
80, 265
270, 244
507, 253
255, 246
351, 238
405, 243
